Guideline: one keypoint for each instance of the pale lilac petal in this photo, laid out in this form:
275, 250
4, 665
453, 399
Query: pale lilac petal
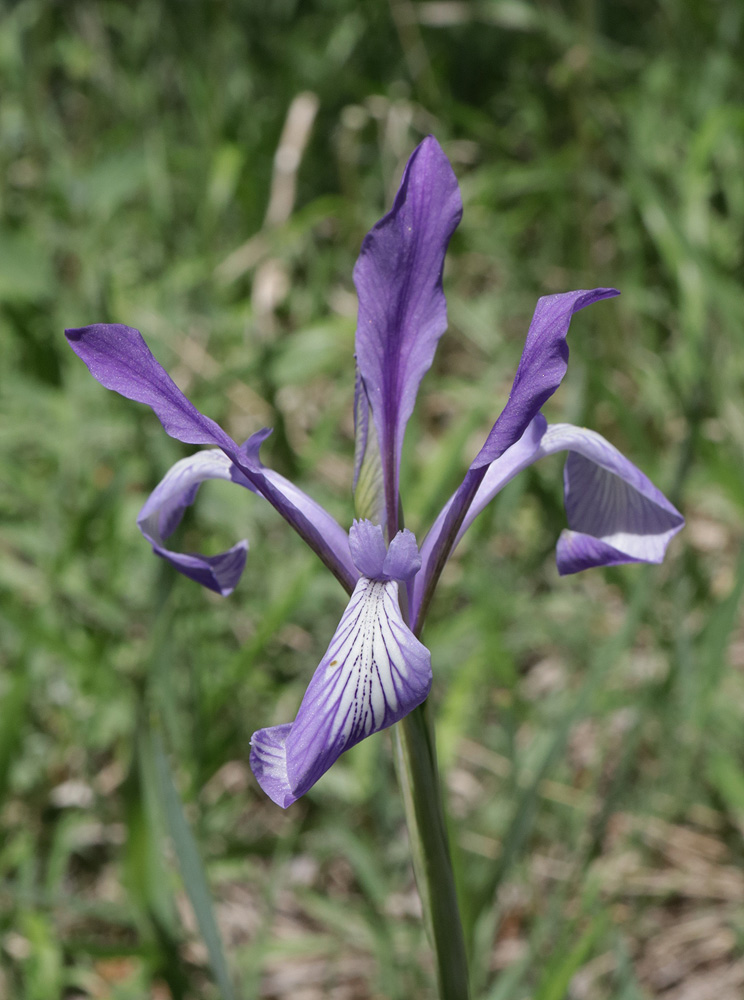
332, 542
576, 552
373, 673
541, 368
118, 357
368, 549
403, 559
163, 510
402, 310
615, 513
269, 763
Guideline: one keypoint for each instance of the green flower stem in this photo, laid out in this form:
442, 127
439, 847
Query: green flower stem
416, 764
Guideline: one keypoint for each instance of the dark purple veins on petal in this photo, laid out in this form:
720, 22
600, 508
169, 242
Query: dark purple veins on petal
373, 673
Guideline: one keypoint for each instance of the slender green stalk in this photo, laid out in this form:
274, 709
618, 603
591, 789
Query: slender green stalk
416, 764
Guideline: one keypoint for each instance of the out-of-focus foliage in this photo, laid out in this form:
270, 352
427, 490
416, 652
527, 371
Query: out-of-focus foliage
590, 728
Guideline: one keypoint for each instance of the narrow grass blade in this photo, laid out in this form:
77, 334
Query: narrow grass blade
13, 714
192, 871
561, 969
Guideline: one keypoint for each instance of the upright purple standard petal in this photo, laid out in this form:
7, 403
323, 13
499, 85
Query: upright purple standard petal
615, 513
118, 357
373, 673
402, 310
541, 369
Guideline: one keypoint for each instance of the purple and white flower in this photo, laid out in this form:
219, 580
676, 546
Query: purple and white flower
375, 669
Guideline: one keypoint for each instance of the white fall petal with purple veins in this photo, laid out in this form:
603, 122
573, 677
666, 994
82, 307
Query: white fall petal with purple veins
373, 673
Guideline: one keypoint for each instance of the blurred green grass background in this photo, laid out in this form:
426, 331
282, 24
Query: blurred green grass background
590, 728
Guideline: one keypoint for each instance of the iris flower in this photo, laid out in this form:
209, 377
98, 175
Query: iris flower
376, 669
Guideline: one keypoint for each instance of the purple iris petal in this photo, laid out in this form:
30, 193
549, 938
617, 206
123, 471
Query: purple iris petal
401, 561
541, 368
163, 510
402, 310
540, 371
373, 673
615, 513
368, 549
118, 357
330, 531
219, 573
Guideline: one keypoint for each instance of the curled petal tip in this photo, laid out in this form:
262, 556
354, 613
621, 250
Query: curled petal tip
219, 573
163, 510
615, 513
268, 760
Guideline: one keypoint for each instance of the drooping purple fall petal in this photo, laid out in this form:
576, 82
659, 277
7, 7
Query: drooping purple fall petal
615, 513
402, 310
163, 510
373, 673
541, 369
118, 357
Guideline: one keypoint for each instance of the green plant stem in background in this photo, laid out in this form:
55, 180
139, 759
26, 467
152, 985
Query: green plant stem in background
416, 764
